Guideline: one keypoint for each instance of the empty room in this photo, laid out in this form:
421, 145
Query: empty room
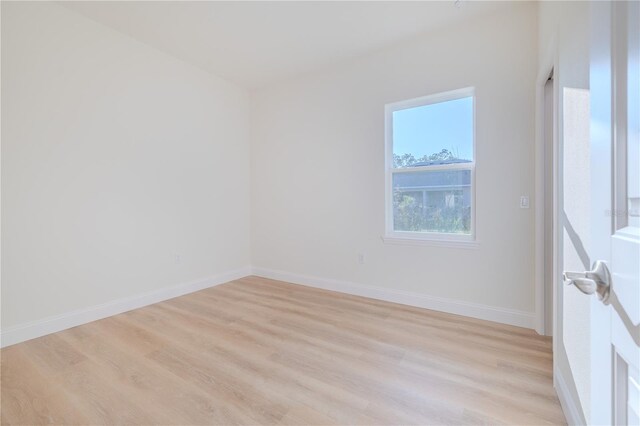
320, 212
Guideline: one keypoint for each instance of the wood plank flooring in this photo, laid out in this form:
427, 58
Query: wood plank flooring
257, 351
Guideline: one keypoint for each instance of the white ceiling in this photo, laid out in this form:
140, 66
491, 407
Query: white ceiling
254, 44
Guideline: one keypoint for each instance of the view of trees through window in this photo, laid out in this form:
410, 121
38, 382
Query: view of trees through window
432, 167
408, 160
437, 201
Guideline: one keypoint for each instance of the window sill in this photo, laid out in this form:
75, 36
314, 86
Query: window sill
426, 242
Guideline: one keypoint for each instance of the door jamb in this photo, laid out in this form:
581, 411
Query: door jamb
549, 65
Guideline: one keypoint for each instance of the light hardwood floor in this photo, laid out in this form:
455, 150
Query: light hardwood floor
257, 351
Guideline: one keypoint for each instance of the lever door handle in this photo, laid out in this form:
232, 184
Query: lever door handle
597, 281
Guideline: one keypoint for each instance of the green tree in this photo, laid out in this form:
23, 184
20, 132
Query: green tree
408, 160
443, 155
411, 215
404, 160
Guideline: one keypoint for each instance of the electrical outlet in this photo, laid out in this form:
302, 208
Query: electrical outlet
361, 258
177, 259
524, 202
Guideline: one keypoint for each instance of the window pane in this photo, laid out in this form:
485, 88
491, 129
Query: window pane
434, 201
633, 114
433, 134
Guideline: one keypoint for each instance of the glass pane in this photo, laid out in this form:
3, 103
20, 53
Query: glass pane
434, 201
626, 60
440, 133
633, 114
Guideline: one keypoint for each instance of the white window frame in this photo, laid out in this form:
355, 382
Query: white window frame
427, 238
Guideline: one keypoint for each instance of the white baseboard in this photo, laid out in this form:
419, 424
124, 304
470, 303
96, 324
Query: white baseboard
474, 310
570, 407
31, 330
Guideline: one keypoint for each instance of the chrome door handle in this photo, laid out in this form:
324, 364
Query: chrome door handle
597, 281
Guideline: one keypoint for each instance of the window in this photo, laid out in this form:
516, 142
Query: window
430, 170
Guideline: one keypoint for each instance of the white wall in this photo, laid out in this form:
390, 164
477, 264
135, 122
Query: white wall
318, 165
115, 158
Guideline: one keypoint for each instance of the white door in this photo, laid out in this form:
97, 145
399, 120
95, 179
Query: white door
614, 217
